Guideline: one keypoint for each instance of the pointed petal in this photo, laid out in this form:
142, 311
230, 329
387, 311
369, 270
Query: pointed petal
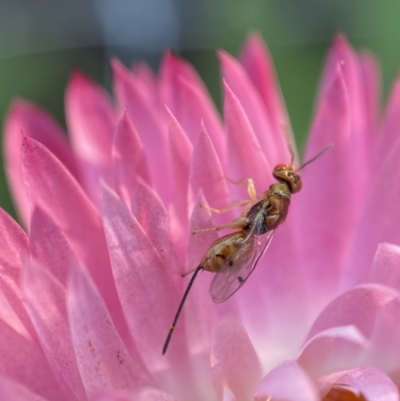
44, 238
234, 361
102, 358
186, 96
207, 175
51, 323
333, 349
143, 280
240, 84
134, 97
331, 126
371, 383
30, 120
144, 72
287, 382
50, 186
246, 159
129, 158
386, 268
258, 64
16, 350
181, 154
13, 251
91, 122
150, 213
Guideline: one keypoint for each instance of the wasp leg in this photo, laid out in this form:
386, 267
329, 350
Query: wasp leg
225, 209
238, 223
251, 188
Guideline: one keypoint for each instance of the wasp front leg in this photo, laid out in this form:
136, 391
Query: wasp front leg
239, 223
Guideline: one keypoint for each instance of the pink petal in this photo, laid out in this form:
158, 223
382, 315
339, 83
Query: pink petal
152, 394
144, 282
199, 306
150, 213
144, 72
258, 64
245, 155
333, 349
385, 224
287, 382
371, 79
386, 268
186, 96
240, 84
206, 174
16, 349
134, 97
388, 137
13, 251
102, 357
331, 126
181, 154
129, 158
51, 323
371, 383
11, 390
91, 121
359, 307
44, 237
51, 187
234, 361
30, 120
143, 394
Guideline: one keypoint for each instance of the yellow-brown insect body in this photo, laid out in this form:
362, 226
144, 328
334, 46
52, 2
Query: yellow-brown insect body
222, 248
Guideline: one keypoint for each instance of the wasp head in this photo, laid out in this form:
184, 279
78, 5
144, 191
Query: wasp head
285, 173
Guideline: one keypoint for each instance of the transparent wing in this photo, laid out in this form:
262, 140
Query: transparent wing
239, 266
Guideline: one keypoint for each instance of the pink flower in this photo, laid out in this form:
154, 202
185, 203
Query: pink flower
89, 293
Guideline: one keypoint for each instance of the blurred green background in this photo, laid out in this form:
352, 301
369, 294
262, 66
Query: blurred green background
41, 41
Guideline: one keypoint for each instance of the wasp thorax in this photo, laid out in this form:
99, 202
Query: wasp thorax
285, 173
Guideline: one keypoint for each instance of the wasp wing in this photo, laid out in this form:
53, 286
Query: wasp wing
239, 266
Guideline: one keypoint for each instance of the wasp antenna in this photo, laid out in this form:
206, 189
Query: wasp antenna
172, 328
315, 157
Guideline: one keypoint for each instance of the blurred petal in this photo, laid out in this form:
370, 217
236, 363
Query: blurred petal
386, 268
359, 307
372, 384
234, 362
287, 382
333, 349
385, 224
14, 391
